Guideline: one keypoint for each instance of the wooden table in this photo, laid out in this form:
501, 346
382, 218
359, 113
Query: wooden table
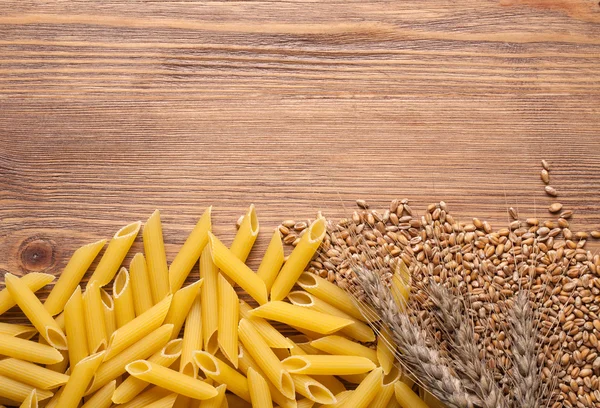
109, 110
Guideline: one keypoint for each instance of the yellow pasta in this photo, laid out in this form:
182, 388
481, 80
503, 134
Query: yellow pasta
156, 258
138, 328
144, 348
35, 312
28, 350
31, 401
270, 334
385, 355
357, 330
75, 327
31, 374
246, 235
71, 276
324, 364
52, 402
215, 402
115, 253
148, 397
312, 389
259, 350
81, 375
222, 373
17, 330
400, 291
18, 392
260, 396
340, 398
305, 403
181, 401
272, 260
164, 402
102, 397
171, 380
383, 397
228, 320
190, 252
301, 317
192, 339
237, 270
393, 404
123, 298
34, 281
108, 307
209, 301
94, 318
366, 390
331, 293
298, 259
140, 284
180, 306
343, 346
406, 397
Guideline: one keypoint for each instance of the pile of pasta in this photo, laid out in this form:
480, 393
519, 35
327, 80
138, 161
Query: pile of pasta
137, 337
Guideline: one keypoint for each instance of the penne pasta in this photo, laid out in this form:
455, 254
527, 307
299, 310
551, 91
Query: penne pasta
17, 330
406, 397
400, 291
140, 284
81, 375
148, 397
341, 398
366, 391
300, 317
190, 252
265, 358
328, 365
132, 387
144, 348
192, 339
171, 380
31, 374
209, 301
237, 270
394, 404
246, 235
52, 402
312, 389
35, 312
156, 258
108, 308
222, 373
272, 260
75, 327
31, 401
233, 401
298, 259
180, 306
357, 330
260, 396
34, 281
215, 402
385, 355
228, 320
181, 401
270, 334
383, 397
95, 325
123, 298
138, 328
115, 253
164, 402
28, 350
102, 397
343, 346
305, 403
18, 392
71, 276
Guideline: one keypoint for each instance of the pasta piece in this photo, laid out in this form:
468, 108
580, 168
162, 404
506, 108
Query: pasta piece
156, 258
383, 397
31, 374
148, 397
305, 403
406, 397
35, 312
301, 349
61, 366
102, 398
190, 252
228, 320
237, 270
209, 301
272, 260
138, 328
18, 392
260, 396
28, 350
192, 339
385, 354
123, 298
95, 325
17, 330
270, 334
331, 293
114, 254
367, 390
71, 276
140, 284
246, 235
341, 398
328, 365
180, 306
345, 347
183, 402
301, 317
108, 308
75, 327
34, 281
171, 380
31, 401
164, 402
215, 402
394, 404
222, 373
298, 259
132, 387
357, 330
233, 401
144, 348
53, 402
81, 375
265, 358
312, 389
400, 291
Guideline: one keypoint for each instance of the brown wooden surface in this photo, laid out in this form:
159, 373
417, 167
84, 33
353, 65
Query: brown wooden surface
111, 109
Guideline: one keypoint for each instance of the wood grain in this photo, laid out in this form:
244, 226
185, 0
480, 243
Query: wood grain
111, 109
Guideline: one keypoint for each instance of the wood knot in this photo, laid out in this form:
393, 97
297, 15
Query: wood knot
37, 254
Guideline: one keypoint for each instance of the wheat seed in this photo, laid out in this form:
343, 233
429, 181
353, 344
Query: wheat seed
546, 165
545, 176
555, 207
551, 191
